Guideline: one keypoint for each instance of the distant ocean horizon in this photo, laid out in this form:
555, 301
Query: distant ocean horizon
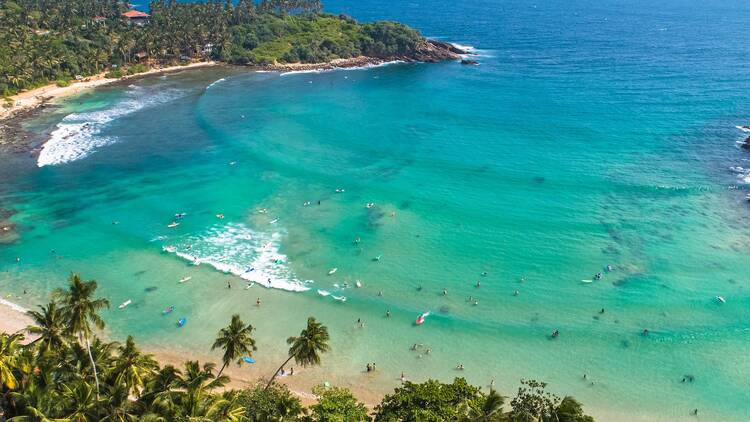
585, 177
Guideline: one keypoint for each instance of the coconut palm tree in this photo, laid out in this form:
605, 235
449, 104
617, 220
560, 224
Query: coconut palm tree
49, 327
80, 310
307, 348
80, 402
194, 386
491, 409
236, 342
133, 367
9, 359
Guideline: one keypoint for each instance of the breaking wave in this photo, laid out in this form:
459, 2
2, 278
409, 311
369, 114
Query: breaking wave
236, 249
78, 134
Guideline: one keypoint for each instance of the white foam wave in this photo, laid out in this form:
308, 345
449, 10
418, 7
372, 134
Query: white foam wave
16, 307
78, 134
215, 82
236, 249
743, 174
743, 128
468, 48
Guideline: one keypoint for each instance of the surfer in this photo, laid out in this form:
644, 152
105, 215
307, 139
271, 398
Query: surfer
645, 331
602, 311
479, 284
445, 292
388, 313
555, 334
257, 302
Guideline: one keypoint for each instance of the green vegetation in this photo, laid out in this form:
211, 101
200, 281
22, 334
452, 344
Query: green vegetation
42, 41
69, 374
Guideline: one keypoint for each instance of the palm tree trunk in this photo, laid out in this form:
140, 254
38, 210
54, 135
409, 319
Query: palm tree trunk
275, 374
221, 370
93, 365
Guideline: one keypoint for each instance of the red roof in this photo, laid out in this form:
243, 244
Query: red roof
130, 14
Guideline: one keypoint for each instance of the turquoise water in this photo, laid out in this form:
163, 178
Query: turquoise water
592, 134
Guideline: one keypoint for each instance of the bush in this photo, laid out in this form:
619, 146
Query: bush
114, 74
138, 68
62, 82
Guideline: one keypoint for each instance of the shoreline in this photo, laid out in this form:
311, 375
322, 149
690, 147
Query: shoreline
13, 319
29, 104
28, 100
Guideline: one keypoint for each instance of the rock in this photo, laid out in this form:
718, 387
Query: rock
432, 51
746, 144
471, 62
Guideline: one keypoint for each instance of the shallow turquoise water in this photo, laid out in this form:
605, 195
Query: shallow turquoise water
590, 135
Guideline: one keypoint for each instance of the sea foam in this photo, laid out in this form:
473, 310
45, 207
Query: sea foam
215, 82
236, 249
78, 134
16, 307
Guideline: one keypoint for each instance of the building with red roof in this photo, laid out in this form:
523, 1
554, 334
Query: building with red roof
136, 17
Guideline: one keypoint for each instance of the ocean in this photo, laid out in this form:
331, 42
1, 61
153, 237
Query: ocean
593, 137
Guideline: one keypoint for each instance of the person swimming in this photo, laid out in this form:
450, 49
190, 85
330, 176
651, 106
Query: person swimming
555, 334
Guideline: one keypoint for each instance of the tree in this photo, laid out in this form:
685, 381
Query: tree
9, 359
490, 410
307, 348
80, 311
570, 410
276, 403
337, 405
49, 327
193, 387
132, 367
533, 403
236, 341
430, 401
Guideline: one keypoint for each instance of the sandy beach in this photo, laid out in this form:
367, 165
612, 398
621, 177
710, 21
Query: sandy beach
29, 100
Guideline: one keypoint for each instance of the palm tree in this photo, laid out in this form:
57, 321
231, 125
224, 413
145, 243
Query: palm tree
306, 349
80, 402
195, 384
9, 359
49, 327
80, 310
491, 409
235, 340
132, 367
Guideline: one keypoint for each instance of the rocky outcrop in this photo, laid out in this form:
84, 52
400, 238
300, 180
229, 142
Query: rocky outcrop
746, 144
429, 51
469, 62
432, 51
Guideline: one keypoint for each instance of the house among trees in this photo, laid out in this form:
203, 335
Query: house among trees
136, 17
